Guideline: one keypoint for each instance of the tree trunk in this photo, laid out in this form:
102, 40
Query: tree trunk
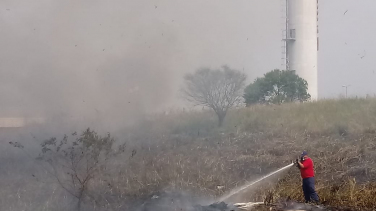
80, 199
221, 118
79, 205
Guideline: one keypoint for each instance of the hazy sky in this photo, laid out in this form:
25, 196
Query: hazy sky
85, 57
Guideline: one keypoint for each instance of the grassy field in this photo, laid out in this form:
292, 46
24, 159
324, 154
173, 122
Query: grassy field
185, 151
339, 135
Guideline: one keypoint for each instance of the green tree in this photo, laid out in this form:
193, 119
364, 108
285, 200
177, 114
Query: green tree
218, 89
276, 87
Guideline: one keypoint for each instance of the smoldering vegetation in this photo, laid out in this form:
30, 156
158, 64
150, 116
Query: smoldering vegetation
113, 67
173, 154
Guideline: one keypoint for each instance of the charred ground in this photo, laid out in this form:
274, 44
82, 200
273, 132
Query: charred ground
186, 152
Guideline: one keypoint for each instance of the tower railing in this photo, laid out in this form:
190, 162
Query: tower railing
284, 12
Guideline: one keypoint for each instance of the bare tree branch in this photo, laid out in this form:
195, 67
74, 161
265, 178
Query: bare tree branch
219, 89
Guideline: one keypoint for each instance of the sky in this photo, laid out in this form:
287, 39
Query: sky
85, 58
347, 48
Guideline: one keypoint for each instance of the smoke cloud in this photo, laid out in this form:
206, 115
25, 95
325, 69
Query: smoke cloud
115, 60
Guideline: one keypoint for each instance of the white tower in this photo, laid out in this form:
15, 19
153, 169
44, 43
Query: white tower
301, 41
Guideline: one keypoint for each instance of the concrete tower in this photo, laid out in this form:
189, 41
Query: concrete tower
301, 43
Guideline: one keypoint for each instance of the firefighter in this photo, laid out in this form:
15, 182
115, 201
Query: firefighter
305, 164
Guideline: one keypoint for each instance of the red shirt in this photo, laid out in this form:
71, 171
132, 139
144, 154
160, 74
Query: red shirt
307, 171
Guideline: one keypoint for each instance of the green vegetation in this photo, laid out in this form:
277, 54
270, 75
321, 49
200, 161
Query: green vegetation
276, 87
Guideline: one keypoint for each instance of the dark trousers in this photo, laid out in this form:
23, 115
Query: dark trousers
309, 190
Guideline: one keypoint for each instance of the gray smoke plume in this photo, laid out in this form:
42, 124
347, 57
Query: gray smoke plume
108, 63
178, 200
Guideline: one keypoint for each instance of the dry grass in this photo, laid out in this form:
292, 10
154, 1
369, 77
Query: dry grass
204, 165
185, 151
322, 117
339, 134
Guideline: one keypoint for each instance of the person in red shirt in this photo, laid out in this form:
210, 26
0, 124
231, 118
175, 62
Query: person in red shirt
308, 175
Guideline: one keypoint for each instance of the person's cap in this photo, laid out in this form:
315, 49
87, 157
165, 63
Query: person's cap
304, 153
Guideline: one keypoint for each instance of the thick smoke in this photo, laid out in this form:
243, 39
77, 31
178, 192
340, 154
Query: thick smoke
113, 61
86, 61
172, 200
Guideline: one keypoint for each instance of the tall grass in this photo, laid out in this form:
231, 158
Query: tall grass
339, 134
187, 151
324, 117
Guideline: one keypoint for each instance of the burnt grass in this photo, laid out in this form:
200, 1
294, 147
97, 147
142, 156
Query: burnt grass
345, 166
187, 153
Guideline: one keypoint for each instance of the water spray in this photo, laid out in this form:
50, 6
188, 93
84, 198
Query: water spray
254, 182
